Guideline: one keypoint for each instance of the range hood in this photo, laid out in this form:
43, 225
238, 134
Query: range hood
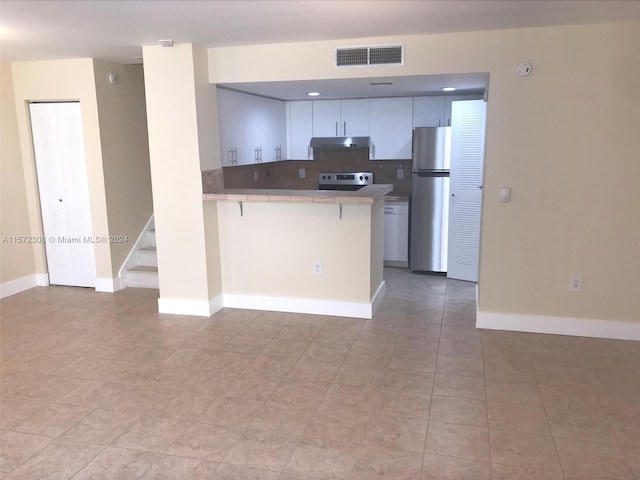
340, 142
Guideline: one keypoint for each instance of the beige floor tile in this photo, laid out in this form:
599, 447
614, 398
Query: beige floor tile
349, 398
417, 382
399, 432
187, 358
209, 341
205, 442
508, 367
340, 425
260, 449
438, 467
627, 431
313, 371
559, 375
337, 335
326, 352
151, 434
48, 389
360, 375
231, 411
518, 418
244, 344
60, 460
299, 332
236, 472
463, 411
579, 425
459, 386
286, 348
149, 354
100, 427
456, 365
593, 459
392, 401
508, 472
18, 447
117, 464
460, 441
91, 394
283, 418
365, 356
13, 382
299, 393
524, 450
322, 458
45, 363
169, 468
53, 420
14, 410
252, 386
374, 463
569, 397
270, 366
207, 381
508, 391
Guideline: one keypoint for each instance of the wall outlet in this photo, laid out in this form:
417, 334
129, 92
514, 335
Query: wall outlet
400, 173
301, 173
255, 175
317, 268
575, 283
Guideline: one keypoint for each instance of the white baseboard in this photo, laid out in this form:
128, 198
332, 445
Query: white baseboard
42, 279
196, 308
305, 305
377, 297
580, 327
18, 285
109, 285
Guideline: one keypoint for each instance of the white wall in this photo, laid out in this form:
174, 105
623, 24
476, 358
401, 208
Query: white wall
565, 139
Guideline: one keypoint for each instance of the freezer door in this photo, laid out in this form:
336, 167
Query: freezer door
429, 223
431, 148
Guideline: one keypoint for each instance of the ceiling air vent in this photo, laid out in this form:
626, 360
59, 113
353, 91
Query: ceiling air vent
372, 55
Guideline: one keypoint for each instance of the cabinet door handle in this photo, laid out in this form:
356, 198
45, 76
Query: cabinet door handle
309, 150
235, 156
336, 129
344, 128
373, 151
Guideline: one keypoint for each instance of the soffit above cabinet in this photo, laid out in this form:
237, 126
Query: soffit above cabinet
396, 86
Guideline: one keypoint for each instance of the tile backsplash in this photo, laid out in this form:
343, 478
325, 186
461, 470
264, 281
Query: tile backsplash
286, 174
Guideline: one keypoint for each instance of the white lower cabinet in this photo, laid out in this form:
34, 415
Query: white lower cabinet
396, 233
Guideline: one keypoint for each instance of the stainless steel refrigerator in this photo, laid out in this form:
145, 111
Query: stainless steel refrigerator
430, 199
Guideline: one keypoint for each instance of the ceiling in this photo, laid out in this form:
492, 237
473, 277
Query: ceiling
116, 30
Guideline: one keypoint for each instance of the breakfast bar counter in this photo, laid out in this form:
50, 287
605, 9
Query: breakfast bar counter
366, 195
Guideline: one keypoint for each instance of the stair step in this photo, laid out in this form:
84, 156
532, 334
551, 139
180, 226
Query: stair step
151, 269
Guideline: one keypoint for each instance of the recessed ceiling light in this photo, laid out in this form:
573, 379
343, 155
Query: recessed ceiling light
313, 94
448, 89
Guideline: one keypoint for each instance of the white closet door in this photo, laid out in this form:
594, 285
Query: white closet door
465, 206
64, 192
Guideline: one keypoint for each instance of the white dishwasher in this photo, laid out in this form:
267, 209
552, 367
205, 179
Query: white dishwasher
396, 233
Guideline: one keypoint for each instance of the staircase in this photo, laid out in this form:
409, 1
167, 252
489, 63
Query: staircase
141, 270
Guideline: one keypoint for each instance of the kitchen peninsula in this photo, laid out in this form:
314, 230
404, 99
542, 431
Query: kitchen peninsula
304, 251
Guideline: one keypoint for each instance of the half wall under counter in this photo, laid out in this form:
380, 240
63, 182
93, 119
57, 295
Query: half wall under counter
272, 241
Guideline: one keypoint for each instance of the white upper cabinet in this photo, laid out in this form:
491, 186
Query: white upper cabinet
252, 128
355, 117
341, 118
391, 128
429, 111
231, 121
299, 130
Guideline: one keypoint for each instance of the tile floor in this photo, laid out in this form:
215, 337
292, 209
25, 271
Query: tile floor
99, 386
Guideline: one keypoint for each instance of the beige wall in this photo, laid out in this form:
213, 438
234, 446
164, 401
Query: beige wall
16, 260
63, 80
125, 154
174, 93
565, 139
270, 250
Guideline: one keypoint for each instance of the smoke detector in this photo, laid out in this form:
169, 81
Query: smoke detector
166, 43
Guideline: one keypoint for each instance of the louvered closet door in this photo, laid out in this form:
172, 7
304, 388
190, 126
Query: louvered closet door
64, 192
465, 206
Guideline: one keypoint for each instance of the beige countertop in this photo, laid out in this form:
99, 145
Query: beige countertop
367, 195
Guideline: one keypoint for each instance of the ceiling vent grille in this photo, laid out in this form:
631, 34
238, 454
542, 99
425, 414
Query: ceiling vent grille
372, 55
